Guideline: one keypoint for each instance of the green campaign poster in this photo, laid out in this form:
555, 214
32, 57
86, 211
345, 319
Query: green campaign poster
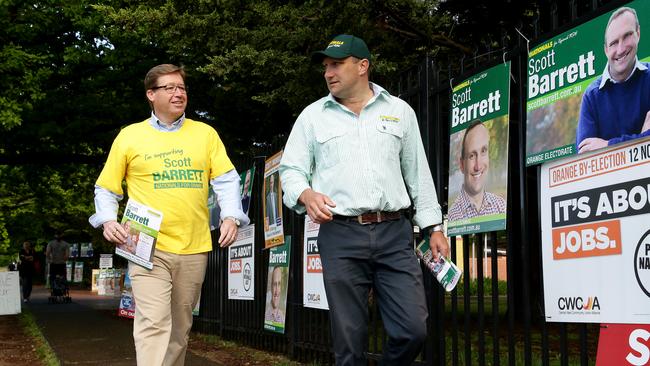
478, 156
571, 107
277, 287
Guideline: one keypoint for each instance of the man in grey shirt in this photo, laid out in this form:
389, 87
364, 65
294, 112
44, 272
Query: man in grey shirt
57, 253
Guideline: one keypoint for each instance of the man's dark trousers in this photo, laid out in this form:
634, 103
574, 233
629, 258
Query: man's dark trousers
358, 257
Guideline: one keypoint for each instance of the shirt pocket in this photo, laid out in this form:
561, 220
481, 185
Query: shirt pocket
328, 145
390, 139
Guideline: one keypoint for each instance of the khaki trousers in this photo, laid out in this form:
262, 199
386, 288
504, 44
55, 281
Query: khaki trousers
164, 299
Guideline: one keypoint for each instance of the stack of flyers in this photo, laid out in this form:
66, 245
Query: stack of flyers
443, 269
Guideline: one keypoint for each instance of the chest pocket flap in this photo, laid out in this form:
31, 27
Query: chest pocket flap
390, 128
329, 141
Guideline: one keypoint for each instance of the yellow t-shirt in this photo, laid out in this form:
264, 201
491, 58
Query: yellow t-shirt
171, 172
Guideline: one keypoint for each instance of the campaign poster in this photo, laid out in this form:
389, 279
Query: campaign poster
94, 278
241, 264
277, 287
214, 211
313, 295
272, 202
78, 272
572, 105
74, 250
86, 250
623, 344
69, 266
595, 210
9, 293
105, 260
127, 301
246, 190
478, 157
101, 282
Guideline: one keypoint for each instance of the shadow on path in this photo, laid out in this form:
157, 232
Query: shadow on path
88, 331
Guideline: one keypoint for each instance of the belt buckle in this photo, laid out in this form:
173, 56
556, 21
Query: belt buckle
361, 221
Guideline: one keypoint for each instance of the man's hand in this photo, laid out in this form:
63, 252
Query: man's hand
317, 205
646, 123
228, 230
591, 144
438, 244
114, 232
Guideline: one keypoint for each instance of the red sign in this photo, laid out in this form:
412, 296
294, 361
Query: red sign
235, 266
126, 313
313, 264
624, 344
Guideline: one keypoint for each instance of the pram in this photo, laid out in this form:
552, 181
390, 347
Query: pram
59, 292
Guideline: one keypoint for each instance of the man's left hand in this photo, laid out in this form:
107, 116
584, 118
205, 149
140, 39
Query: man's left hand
228, 230
591, 144
438, 244
646, 124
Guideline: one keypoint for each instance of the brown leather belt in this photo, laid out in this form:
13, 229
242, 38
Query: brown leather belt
371, 217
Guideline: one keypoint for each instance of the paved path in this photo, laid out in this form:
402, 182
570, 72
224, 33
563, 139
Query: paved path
88, 331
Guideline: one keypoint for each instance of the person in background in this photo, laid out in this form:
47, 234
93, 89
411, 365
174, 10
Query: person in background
56, 254
26, 269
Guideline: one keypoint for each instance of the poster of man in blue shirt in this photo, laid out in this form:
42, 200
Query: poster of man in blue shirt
616, 106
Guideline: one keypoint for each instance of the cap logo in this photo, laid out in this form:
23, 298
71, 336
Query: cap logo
335, 44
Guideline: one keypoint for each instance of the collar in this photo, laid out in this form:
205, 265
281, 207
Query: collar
607, 77
377, 91
469, 203
155, 122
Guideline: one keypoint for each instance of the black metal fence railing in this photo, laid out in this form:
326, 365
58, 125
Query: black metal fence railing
495, 315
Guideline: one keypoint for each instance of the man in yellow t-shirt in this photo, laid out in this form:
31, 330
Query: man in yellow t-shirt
169, 163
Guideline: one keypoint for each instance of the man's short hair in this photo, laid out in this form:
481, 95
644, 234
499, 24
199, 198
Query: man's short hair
152, 76
476, 122
617, 13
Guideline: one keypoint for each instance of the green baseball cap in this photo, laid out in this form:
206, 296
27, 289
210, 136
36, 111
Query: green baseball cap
342, 46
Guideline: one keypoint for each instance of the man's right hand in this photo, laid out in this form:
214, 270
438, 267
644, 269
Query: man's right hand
317, 204
114, 232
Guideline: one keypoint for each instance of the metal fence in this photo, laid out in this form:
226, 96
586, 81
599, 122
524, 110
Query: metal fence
483, 321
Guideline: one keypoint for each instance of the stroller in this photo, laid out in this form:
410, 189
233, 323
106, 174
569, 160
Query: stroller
59, 290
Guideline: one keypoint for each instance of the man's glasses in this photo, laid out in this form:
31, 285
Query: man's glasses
171, 89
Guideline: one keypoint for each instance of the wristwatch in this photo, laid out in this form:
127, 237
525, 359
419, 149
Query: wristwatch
234, 219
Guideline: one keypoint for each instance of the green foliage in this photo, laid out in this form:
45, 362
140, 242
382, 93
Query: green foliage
73, 72
36, 201
249, 64
24, 69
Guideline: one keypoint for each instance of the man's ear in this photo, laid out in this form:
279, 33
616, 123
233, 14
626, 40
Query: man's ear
364, 65
150, 94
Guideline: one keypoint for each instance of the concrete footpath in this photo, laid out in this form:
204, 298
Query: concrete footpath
88, 331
